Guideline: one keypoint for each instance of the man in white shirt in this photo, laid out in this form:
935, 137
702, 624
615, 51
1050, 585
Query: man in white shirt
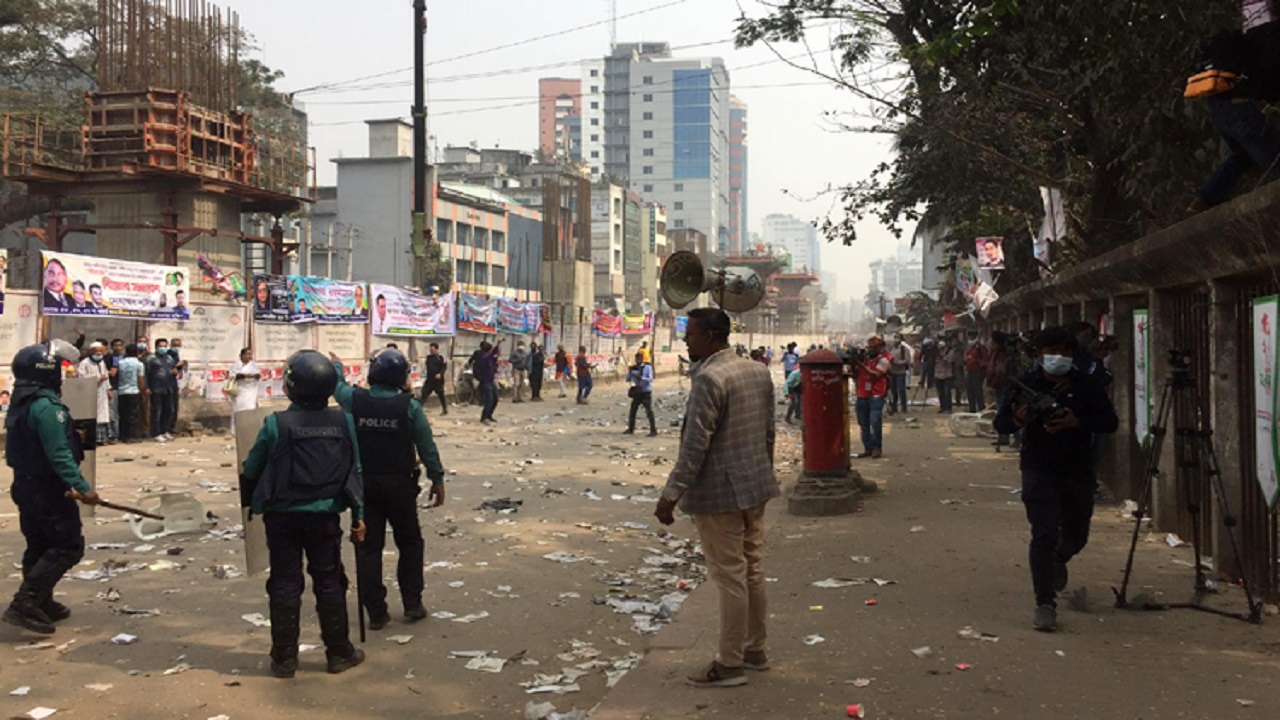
247, 377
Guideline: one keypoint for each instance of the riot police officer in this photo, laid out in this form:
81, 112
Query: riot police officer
390, 425
45, 453
303, 471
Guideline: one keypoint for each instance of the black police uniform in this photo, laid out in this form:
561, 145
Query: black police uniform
40, 435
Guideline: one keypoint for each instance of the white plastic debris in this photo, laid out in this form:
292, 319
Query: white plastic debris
20, 691
472, 617
861, 559
38, 713
256, 619
830, 583
486, 664
922, 652
557, 689
400, 639
561, 556
968, 633
814, 640
917, 528
1174, 541
124, 639
443, 615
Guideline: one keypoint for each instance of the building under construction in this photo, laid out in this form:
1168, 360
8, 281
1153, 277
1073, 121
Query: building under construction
167, 155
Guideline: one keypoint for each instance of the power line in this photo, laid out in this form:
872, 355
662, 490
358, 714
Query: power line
496, 48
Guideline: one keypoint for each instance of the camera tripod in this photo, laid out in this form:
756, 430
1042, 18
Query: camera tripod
1193, 449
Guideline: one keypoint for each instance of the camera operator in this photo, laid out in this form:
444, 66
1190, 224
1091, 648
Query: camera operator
871, 376
1057, 469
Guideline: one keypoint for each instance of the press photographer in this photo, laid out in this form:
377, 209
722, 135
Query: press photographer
1059, 409
871, 378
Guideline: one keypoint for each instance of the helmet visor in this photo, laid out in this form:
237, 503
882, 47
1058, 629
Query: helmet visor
64, 350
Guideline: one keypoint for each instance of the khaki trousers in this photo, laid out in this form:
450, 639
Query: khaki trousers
733, 544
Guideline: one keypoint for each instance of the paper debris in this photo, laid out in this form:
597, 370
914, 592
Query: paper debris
862, 682
486, 664
20, 691
256, 620
472, 617
124, 639
457, 654
1174, 541
99, 687
917, 528
400, 639
443, 615
839, 582
814, 640
557, 689
861, 559
563, 557
968, 633
38, 713
922, 652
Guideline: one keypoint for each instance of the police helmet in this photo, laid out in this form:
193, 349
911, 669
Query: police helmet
309, 378
389, 367
41, 364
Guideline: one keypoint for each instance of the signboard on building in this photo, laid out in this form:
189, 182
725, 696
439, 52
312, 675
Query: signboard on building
325, 300
477, 314
1266, 394
86, 286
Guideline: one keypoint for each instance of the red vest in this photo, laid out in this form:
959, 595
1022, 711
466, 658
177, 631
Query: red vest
870, 386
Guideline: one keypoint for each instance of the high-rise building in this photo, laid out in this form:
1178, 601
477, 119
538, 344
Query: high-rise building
798, 238
660, 125
559, 110
738, 241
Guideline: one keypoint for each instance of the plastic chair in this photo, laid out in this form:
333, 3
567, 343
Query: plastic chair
182, 512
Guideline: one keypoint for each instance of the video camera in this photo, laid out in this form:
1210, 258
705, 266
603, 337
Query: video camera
854, 355
1041, 407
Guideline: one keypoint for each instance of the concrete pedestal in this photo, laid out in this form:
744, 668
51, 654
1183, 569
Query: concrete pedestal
824, 496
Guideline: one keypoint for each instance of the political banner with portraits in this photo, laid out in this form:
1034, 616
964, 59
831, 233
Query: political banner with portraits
477, 314
990, 252
270, 294
86, 286
325, 300
637, 324
605, 325
402, 313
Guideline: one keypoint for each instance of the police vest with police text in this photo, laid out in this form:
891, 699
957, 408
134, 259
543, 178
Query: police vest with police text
386, 439
23, 449
314, 459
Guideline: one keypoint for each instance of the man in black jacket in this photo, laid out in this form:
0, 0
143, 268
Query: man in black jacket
1057, 472
433, 379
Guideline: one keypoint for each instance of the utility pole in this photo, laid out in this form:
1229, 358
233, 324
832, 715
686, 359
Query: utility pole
419, 144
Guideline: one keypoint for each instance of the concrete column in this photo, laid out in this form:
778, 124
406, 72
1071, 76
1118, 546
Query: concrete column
1121, 468
1224, 380
1164, 494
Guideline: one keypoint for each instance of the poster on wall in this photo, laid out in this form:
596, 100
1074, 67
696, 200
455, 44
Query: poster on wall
990, 252
512, 318
275, 343
325, 300
214, 334
477, 314
270, 299
682, 326
85, 286
605, 325
637, 324
1266, 395
1141, 376
403, 313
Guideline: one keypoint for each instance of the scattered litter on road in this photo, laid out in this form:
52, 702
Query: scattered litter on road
502, 506
963, 666
124, 639
1245, 703
855, 711
917, 528
459, 654
557, 689
861, 559
472, 617
38, 713
1174, 541
443, 615
882, 582
20, 691
256, 620
225, 572
400, 639
992, 487
922, 652
486, 664
968, 633
862, 682
839, 582
814, 640
457, 584
815, 608
99, 687
871, 601
952, 501
1059, 653
561, 556
1129, 510
547, 711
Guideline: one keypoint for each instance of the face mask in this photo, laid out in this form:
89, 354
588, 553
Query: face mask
97, 358
1056, 364
174, 351
162, 351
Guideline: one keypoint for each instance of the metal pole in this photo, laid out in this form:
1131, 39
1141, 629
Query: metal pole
350, 255
419, 143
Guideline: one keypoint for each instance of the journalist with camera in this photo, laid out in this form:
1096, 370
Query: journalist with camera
1059, 409
871, 378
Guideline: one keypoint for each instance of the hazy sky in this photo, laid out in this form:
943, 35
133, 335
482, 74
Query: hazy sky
793, 154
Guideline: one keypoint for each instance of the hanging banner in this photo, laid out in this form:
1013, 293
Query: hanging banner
637, 324
403, 313
4, 274
966, 277
1257, 13
270, 298
1141, 376
605, 325
682, 326
1052, 229
990, 251
1266, 396
477, 314
85, 286
19, 323
512, 317
325, 300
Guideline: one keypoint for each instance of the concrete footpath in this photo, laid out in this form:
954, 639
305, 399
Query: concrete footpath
951, 534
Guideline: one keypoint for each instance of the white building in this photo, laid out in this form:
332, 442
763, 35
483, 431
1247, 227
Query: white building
798, 238
660, 125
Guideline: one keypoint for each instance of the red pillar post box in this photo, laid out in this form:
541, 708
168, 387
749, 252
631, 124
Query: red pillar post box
824, 402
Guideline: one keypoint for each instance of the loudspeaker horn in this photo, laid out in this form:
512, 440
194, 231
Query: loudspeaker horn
893, 325
683, 278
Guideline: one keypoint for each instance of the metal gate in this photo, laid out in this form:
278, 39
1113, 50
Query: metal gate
1259, 529
1190, 313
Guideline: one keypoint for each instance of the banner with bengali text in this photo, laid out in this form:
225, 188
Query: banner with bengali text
325, 300
402, 313
637, 324
477, 314
86, 286
605, 325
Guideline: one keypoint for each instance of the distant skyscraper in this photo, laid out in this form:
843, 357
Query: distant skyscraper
738, 241
660, 125
559, 108
797, 237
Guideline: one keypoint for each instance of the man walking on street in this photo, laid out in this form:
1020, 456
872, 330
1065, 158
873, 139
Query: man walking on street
1057, 470
899, 371
872, 378
486, 372
390, 425
584, 368
944, 373
433, 380
790, 360
724, 478
640, 376
519, 370
537, 370
562, 368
